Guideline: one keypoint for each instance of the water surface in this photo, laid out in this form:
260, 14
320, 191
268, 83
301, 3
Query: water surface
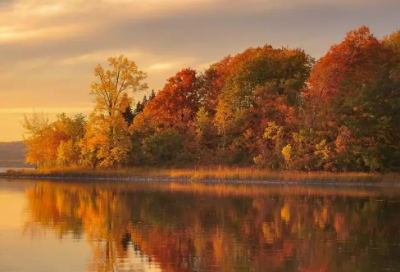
68, 226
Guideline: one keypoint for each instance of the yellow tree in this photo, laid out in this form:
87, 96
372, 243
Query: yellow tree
107, 142
69, 132
37, 128
112, 84
51, 144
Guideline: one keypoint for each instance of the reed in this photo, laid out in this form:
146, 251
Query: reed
226, 173
213, 173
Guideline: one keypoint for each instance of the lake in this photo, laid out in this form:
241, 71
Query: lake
70, 226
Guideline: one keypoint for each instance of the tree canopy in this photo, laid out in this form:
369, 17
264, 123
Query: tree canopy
275, 108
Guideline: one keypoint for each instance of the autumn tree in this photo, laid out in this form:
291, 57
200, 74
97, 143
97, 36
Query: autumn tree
354, 62
272, 107
37, 129
347, 103
111, 85
172, 109
53, 144
69, 151
177, 102
260, 83
205, 138
107, 142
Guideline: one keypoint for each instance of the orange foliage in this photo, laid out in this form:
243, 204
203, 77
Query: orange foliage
357, 59
177, 102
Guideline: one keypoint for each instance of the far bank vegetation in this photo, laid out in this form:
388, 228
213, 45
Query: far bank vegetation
270, 108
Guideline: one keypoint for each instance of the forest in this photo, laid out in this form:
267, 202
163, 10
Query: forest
273, 108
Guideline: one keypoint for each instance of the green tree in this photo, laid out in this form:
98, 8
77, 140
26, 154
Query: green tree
163, 147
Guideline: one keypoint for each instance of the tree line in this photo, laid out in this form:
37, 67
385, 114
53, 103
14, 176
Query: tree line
275, 108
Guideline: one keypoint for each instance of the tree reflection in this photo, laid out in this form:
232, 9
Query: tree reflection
193, 228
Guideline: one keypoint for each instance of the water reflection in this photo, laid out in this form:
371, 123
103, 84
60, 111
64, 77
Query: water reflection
174, 227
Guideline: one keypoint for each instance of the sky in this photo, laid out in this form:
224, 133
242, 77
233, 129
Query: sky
49, 48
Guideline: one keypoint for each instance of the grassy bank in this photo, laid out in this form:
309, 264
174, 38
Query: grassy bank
204, 174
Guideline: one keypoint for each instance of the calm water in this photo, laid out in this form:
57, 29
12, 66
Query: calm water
55, 226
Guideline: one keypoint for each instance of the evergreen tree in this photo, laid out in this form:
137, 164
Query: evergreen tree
128, 115
152, 95
145, 101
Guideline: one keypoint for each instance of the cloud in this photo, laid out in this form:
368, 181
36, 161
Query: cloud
99, 56
47, 110
48, 48
6, 3
36, 19
10, 34
171, 65
162, 66
68, 29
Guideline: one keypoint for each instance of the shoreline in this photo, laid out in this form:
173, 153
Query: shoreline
206, 180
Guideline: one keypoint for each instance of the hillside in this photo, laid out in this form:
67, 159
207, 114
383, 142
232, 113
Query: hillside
12, 154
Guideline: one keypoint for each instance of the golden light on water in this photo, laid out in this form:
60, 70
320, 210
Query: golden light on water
12, 206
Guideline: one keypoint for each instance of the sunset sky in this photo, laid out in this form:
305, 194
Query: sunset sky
48, 48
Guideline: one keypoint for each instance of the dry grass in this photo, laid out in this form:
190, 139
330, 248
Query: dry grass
217, 173
224, 173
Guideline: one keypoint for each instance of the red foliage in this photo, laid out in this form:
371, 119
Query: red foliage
177, 101
357, 59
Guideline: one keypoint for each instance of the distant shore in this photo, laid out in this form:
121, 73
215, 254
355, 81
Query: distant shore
212, 176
